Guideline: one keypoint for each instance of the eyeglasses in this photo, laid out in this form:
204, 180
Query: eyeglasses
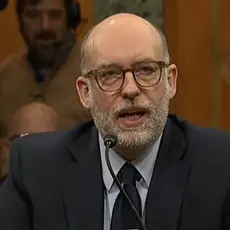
111, 79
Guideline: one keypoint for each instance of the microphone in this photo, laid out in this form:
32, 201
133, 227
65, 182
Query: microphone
110, 141
3, 4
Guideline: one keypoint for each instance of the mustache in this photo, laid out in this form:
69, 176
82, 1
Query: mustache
132, 105
45, 35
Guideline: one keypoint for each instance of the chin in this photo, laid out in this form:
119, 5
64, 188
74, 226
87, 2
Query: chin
135, 138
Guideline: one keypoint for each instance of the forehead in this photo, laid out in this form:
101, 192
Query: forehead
126, 45
44, 4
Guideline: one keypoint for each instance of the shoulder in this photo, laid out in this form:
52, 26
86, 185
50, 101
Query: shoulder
204, 143
38, 147
11, 68
204, 135
12, 62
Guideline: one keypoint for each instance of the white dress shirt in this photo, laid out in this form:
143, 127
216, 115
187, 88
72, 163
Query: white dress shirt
144, 165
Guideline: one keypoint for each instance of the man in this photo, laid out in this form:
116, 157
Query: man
32, 118
47, 72
35, 117
176, 175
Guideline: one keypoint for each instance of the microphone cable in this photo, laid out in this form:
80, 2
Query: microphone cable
110, 141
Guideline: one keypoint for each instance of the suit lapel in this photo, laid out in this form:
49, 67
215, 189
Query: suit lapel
83, 184
168, 182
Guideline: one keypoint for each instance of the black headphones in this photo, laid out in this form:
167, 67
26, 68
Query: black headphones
74, 15
73, 12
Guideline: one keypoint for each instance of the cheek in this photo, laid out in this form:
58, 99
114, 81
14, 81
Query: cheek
156, 93
104, 100
59, 31
29, 33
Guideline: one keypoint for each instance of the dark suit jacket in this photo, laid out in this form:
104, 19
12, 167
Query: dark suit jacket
1, 181
55, 181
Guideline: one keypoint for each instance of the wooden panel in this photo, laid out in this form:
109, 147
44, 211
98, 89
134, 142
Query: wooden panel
223, 46
188, 30
10, 39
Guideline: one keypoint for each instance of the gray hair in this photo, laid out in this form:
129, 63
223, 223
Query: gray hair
164, 44
84, 57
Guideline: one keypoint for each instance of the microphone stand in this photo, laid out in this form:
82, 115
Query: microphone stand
108, 145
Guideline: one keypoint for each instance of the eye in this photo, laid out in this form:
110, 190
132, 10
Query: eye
147, 69
55, 14
32, 14
109, 73
109, 76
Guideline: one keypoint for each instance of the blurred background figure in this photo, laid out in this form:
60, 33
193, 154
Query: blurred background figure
31, 118
46, 72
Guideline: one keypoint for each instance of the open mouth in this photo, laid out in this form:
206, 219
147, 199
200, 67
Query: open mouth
132, 116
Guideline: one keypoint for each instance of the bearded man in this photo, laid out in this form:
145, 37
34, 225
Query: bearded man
176, 175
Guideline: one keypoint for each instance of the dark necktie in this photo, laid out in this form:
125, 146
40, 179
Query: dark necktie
123, 217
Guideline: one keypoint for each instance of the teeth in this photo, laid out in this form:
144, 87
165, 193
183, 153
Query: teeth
133, 112
132, 117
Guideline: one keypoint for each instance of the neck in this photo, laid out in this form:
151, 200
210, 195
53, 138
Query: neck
133, 153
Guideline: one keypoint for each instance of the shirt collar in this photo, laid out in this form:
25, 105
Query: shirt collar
144, 164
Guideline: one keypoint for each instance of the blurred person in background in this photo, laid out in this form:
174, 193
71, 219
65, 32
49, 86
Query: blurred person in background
48, 70
31, 118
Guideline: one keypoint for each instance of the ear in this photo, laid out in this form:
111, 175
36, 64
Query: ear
82, 87
172, 79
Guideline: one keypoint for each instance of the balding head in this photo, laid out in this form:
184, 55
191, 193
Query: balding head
33, 118
120, 26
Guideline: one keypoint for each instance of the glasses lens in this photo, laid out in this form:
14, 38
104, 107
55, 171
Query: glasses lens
147, 74
110, 79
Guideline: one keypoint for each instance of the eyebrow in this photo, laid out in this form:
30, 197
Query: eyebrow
140, 61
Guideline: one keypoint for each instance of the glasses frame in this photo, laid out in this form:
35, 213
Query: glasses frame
94, 74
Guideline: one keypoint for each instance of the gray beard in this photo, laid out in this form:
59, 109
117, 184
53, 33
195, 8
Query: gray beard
137, 138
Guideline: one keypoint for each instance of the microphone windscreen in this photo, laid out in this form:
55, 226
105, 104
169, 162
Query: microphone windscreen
110, 140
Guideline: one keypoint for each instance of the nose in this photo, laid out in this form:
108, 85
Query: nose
44, 21
130, 88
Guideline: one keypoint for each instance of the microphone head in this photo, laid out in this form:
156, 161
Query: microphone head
110, 140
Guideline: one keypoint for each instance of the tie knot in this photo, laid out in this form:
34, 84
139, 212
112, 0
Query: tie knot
128, 174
